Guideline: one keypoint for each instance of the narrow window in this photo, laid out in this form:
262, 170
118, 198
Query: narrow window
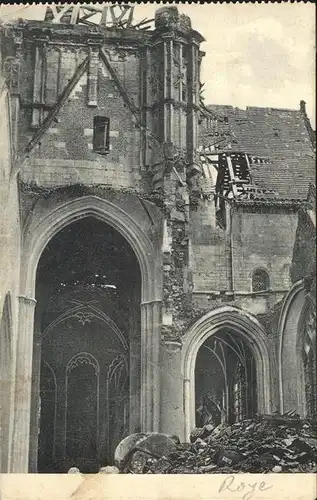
260, 281
184, 92
101, 134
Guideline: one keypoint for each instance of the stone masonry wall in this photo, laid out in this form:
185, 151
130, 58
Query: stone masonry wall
9, 279
263, 238
209, 250
64, 154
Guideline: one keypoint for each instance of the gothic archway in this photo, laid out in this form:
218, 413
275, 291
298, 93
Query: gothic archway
297, 352
307, 347
225, 379
37, 234
82, 407
216, 325
88, 314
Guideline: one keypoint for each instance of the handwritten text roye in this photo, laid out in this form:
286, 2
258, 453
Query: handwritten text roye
247, 489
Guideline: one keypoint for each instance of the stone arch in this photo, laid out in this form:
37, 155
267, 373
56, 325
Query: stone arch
80, 361
250, 330
93, 310
39, 233
117, 377
290, 363
36, 235
5, 380
83, 358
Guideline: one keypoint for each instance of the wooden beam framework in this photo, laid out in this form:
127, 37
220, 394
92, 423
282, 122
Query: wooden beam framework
111, 16
61, 101
120, 87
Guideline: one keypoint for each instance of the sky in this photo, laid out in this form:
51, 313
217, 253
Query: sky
256, 54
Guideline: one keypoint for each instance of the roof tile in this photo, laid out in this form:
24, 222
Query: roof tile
280, 135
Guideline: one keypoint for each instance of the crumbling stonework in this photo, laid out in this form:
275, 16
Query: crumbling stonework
107, 123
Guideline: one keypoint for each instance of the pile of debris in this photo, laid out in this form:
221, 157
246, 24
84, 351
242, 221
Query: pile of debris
270, 443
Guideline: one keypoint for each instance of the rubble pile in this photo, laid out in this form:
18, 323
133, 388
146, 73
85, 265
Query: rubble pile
271, 443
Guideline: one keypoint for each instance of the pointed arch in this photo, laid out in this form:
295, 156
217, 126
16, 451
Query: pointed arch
245, 325
290, 359
81, 361
97, 313
82, 358
39, 229
38, 234
117, 401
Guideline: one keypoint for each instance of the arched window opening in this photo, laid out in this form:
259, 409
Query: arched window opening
225, 380
260, 281
82, 381
239, 387
118, 402
88, 301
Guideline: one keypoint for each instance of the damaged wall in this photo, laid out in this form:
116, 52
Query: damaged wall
9, 278
209, 250
147, 83
263, 237
64, 153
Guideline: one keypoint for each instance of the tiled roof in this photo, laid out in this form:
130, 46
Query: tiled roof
281, 136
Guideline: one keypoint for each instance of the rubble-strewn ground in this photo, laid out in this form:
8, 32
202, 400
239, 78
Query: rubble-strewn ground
271, 443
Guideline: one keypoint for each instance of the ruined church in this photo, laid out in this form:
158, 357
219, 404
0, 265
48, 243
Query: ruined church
156, 252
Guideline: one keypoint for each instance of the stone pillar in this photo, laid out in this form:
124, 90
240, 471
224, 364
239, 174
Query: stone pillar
23, 386
60, 422
134, 381
172, 413
5, 384
35, 403
150, 376
102, 445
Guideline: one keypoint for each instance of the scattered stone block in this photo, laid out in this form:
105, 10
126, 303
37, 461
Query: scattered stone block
125, 449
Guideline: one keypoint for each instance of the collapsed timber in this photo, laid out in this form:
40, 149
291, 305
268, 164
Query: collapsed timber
270, 443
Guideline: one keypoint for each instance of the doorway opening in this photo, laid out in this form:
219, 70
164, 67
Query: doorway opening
225, 379
87, 353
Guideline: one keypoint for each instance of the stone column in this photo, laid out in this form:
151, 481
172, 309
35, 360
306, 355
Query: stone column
35, 403
60, 422
189, 410
134, 379
23, 386
150, 377
171, 414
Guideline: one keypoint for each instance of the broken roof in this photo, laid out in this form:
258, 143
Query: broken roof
283, 137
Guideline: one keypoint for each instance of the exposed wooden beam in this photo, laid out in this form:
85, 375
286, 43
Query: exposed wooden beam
59, 14
144, 21
75, 14
119, 85
86, 16
94, 9
63, 98
134, 110
232, 176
